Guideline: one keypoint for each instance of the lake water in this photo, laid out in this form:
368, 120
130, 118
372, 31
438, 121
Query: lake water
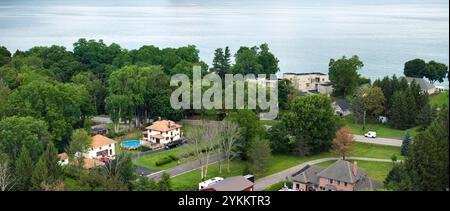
303, 34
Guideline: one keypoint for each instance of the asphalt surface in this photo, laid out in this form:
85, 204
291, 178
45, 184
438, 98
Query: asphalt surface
183, 168
379, 140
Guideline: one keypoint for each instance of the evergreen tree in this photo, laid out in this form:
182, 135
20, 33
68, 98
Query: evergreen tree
411, 109
405, 144
397, 114
23, 170
40, 176
47, 172
259, 155
165, 184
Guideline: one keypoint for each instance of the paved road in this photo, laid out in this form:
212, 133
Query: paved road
379, 140
261, 184
183, 168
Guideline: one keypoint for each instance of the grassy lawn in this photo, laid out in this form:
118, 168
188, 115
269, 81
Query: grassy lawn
189, 181
269, 122
278, 186
381, 129
149, 160
440, 99
376, 170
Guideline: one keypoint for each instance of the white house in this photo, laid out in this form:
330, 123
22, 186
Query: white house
309, 81
425, 86
63, 159
162, 132
101, 147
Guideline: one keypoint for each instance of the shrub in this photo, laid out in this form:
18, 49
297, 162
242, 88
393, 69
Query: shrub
162, 161
173, 157
143, 148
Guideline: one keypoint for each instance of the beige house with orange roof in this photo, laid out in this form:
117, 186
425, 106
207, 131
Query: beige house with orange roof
63, 159
102, 146
162, 132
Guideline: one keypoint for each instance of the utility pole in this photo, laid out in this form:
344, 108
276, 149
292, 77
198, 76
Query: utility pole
364, 121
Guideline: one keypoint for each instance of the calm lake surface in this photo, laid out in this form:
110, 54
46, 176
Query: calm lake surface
303, 34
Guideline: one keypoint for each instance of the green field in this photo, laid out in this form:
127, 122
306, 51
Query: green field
440, 99
189, 180
376, 170
149, 160
382, 130
278, 186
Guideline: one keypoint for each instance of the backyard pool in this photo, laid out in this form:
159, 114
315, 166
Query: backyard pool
131, 144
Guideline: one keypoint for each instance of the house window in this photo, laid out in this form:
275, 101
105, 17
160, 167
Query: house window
307, 84
331, 181
110, 145
100, 148
345, 184
339, 182
297, 186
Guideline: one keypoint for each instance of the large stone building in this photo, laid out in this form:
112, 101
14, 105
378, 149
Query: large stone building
314, 82
340, 176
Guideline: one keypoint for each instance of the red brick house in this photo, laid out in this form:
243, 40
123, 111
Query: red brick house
340, 176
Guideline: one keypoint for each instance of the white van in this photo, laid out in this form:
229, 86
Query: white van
370, 134
209, 182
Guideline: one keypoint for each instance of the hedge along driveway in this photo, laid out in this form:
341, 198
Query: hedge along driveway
149, 161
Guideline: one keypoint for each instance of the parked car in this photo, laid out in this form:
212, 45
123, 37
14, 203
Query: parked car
176, 143
370, 134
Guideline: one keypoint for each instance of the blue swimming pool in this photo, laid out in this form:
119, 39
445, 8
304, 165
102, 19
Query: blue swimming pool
131, 144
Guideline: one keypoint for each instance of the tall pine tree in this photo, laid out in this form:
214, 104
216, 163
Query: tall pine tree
23, 170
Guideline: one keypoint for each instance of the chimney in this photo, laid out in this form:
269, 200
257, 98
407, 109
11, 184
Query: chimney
355, 168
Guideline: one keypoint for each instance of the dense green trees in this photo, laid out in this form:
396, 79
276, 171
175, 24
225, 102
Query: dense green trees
16, 132
5, 56
313, 124
62, 106
343, 73
402, 99
250, 127
432, 70
255, 60
426, 167
222, 62
47, 175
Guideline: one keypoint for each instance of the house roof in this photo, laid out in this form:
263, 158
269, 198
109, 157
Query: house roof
342, 170
63, 156
163, 125
100, 140
159, 136
237, 183
424, 84
366, 183
343, 104
308, 174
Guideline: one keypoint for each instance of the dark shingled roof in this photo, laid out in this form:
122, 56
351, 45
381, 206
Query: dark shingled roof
237, 183
308, 174
343, 171
424, 84
343, 104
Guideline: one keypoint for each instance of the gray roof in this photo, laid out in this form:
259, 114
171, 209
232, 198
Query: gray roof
308, 174
237, 183
424, 84
342, 170
366, 183
343, 104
